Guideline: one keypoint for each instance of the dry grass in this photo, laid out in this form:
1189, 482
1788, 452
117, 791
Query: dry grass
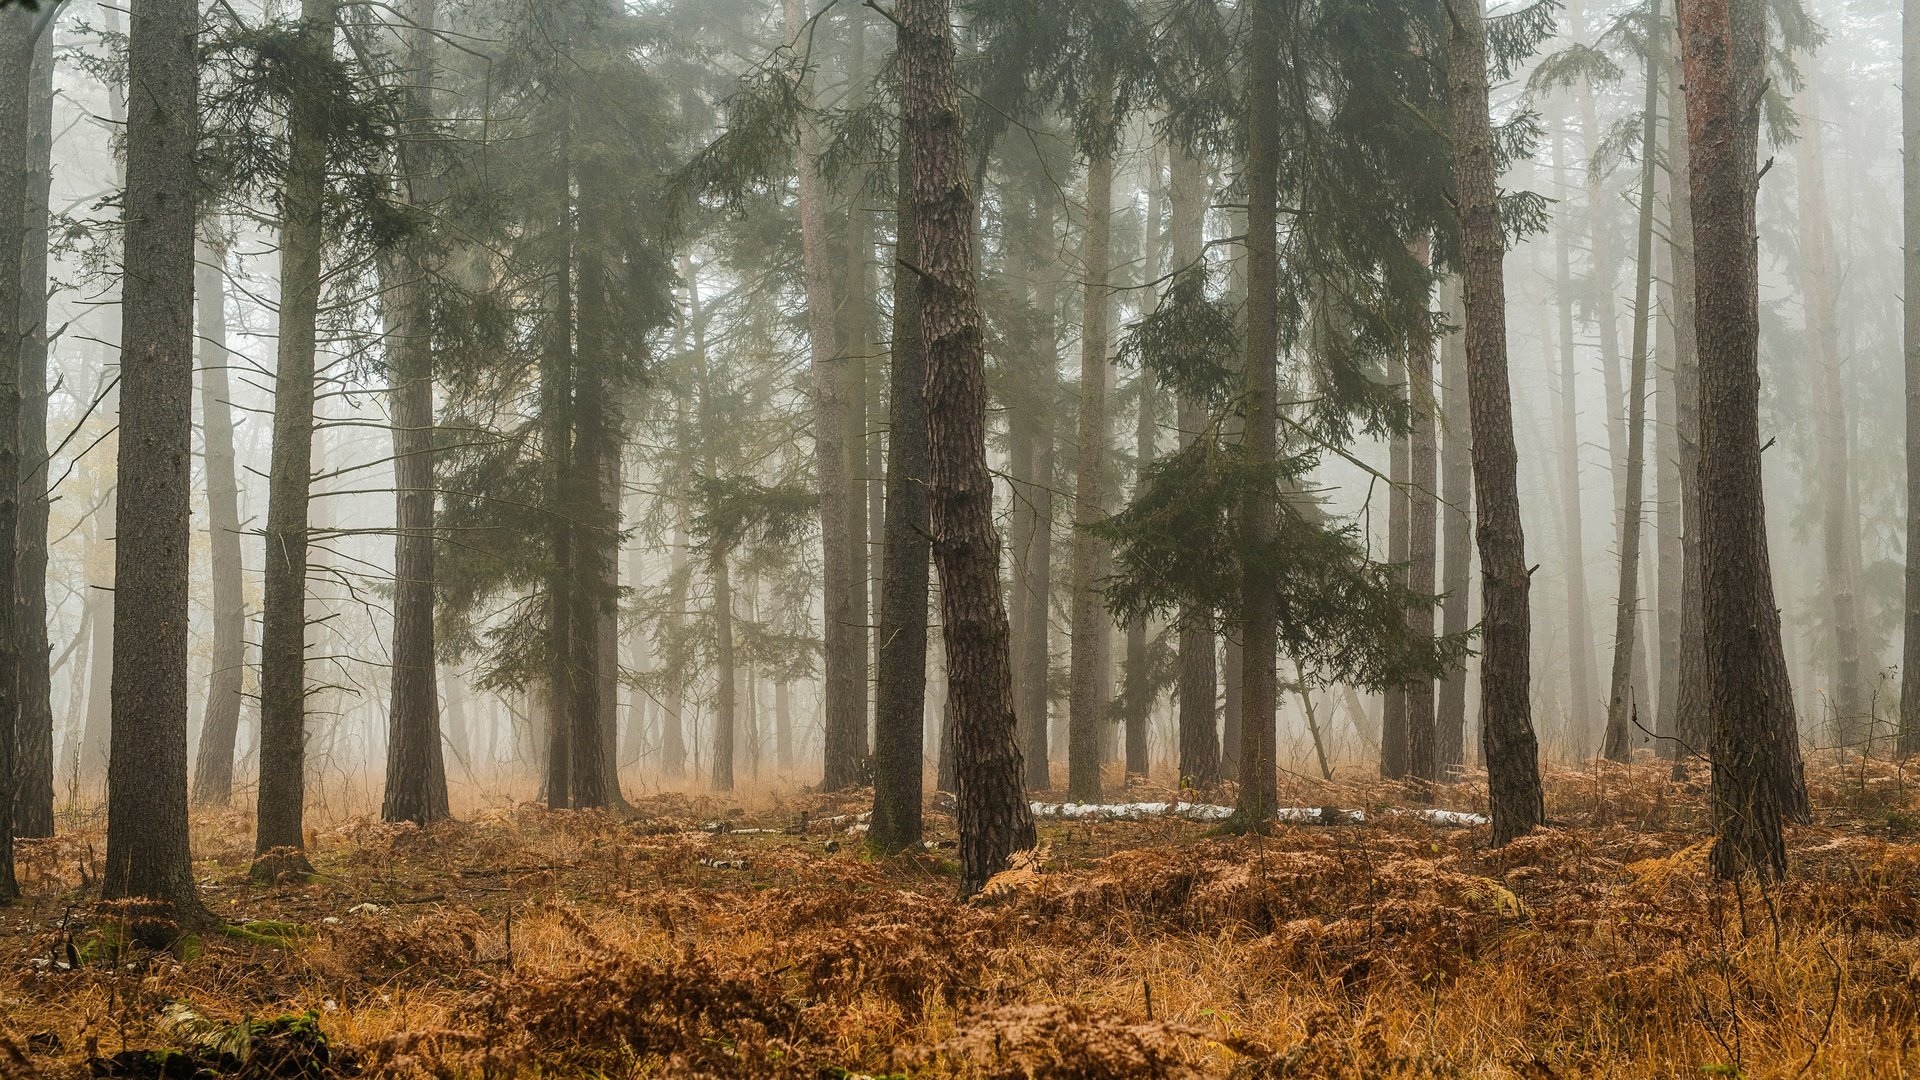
526, 943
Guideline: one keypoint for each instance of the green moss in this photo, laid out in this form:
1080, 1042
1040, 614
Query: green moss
267, 932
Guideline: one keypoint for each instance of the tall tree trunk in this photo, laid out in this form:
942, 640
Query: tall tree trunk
1456, 488
1581, 676
147, 853
1748, 695
1138, 694
1199, 658
213, 767
856, 337
1259, 629
844, 653
1506, 726
673, 737
1692, 725
1034, 663
994, 817
1623, 694
899, 727
556, 427
19, 29
1910, 306
1087, 705
416, 787
1840, 544
1423, 524
1393, 716
283, 683
719, 579
33, 801
1670, 511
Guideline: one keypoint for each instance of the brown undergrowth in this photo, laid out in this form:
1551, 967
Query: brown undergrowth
756, 939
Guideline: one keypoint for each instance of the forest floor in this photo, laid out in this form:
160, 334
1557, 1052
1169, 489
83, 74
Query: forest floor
702, 937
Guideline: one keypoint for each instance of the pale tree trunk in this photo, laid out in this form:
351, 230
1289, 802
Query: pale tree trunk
1581, 676
994, 817
719, 576
1199, 658
33, 803
416, 788
900, 721
213, 769
147, 846
1259, 629
1840, 542
283, 682
1423, 523
1456, 488
1750, 701
1625, 691
673, 732
1670, 511
844, 653
1910, 306
1034, 662
1087, 706
1506, 726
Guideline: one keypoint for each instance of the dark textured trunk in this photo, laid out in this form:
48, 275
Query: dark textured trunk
33, 800
1910, 186
416, 787
900, 693
1625, 689
596, 516
994, 818
147, 847
1748, 696
1199, 658
843, 653
283, 682
213, 767
856, 337
1506, 726
1423, 525
1259, 627
18, 29
1456, 488
1087, 704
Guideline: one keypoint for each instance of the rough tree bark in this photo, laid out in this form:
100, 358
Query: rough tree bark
1087, 705
899, 723
1506, 727
283, 682
147, 853
1692, 728
994, 818
213, 765
416, 788
1393, 702
33, 800
1748, 696
556, 432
